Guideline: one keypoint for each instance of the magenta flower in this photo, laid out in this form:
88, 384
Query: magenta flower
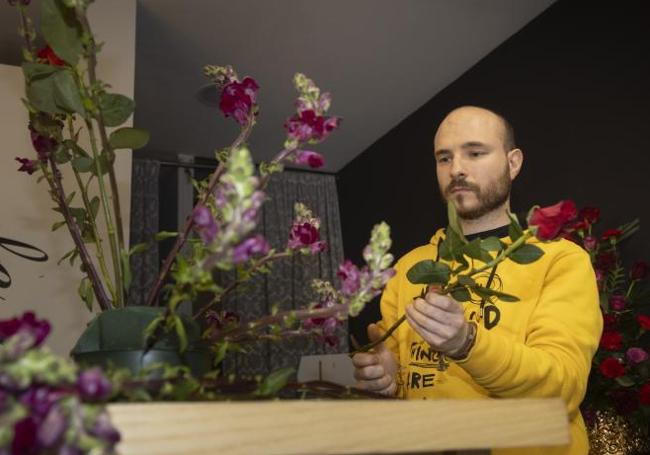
250, 247
326, 327
238, 99
43, 145
52, 427
590, 243
104, 429
27, 165
617, 302
26, 323
204, 223
313, 159
307, 125
24, 436
350, 277
304, 235
636, 355
93, 385
40, 399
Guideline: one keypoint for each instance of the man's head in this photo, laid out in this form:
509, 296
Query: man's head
476, 161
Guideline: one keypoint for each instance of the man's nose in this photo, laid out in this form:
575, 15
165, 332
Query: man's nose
458, 168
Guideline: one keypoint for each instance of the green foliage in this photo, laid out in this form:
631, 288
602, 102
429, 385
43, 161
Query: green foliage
526, 254
429, 272
116, 109
129, 138
274, 382
86, 293
515, 231
61, 30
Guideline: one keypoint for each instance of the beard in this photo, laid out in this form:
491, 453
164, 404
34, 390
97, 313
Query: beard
489, 199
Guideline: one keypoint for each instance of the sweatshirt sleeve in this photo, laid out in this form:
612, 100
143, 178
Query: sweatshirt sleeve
388, 306
561, 338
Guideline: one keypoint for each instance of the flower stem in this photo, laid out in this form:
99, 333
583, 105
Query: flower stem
189, 223
59, 194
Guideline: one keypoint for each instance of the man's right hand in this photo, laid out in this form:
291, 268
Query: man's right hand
376, 370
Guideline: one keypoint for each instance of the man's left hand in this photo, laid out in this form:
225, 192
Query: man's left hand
440, 321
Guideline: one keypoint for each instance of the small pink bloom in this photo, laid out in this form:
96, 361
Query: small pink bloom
204, 223
238, 99
313, 159
253, 246
636, 355
27, 165
350, 277
617, 302
590, 243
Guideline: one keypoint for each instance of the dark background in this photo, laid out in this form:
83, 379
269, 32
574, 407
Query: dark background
574, 83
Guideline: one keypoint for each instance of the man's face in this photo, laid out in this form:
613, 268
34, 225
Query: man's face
471, 163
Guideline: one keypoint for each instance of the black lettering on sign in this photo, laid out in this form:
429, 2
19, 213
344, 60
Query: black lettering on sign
492, 317
20, 249
414, 380
417, 380
427, 380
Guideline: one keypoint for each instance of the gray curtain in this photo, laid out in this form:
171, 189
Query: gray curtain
287, 286
145, 177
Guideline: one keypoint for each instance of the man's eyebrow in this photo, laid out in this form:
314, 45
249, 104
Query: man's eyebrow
471, 144
441, 152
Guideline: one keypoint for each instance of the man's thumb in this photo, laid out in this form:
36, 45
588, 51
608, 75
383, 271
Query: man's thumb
374, 334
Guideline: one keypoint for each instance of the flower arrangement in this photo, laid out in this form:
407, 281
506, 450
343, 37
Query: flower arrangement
620, 373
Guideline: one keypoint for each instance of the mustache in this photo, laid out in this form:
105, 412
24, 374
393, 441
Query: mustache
463, 185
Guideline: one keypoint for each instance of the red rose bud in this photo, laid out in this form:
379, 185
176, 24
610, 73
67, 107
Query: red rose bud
617, 302
313, 159
590, 243
27, 165
611, 341
611, 234
547, 223
609, 321
48, 54
636, 355
644, 394
589, 215
644, 321
611, 368
639, 270
238, 99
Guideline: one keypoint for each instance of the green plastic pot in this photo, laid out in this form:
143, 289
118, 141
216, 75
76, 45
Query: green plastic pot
115, 338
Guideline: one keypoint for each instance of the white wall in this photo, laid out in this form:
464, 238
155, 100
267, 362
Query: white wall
25, 206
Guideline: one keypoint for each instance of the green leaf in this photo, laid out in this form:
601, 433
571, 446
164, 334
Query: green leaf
491, 244
526, 254
75, 148
625, 381
129, 138
70, 197
429, 272
452, 215
274, 382
220, 353
85, 291
445, 252
62, 155
514, 230
151, 329
487, 293
61, 30
127, 277
180, 332
57, 225
33, 71
104, 164
138, 248
461, 294
473, 250
162, 235
116, 109
40, 93
466, 280
83, 164
66, 93
94, 206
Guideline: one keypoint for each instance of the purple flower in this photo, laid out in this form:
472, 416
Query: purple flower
350, 277
599, 275
4, 400
52, 427
238, 98
305, 234
24, 441
204, 223
636, 355
308, 125
104, 429
590, 243
43, 145
617, 302
313, 159
26, 323
93, 385
40, 399
250, 247
27, 165
70, 450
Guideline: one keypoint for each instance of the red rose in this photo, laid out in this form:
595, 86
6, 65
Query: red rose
609, 321
611, 341
612, 368
48, 54
605, 261
639, 270
609, 233
547, 223
644, 321
644, 394
590, 215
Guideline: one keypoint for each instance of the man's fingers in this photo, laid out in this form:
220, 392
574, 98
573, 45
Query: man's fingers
364, 359
443, 302
435, 313
432, 331
369, 373
377, 385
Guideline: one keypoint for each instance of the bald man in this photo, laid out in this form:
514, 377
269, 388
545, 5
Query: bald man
541, 346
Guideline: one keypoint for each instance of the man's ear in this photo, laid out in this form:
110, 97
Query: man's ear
515, 160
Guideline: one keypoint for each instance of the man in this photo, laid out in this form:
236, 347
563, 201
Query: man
541, 346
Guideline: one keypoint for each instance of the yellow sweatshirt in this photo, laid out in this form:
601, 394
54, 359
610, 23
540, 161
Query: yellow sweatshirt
541, 346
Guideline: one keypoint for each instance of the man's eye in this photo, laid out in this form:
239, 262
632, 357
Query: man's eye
444, 159
476, 153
